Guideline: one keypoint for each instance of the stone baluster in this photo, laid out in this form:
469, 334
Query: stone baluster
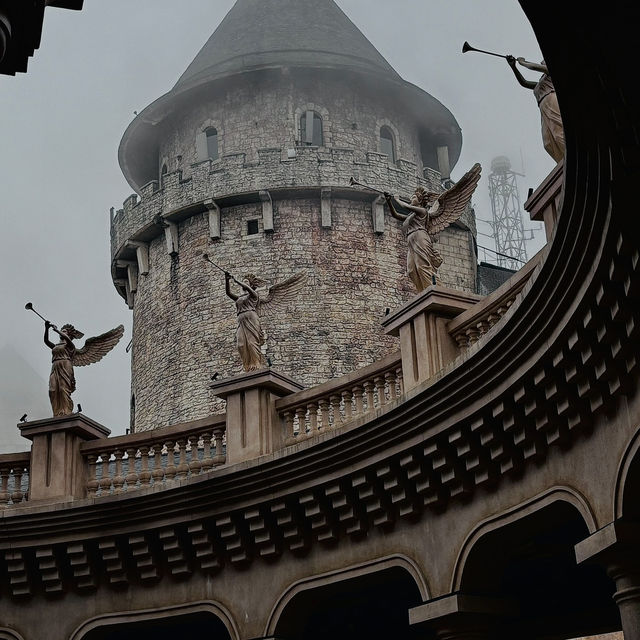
492, 318
301, 414
347, 397
390, 378
195, 465
145, 475
17, 493
4, 486
369, 389
218, 435
170, 470
118, 478
357, 394
158, 471
105, 476
461, 340
92, 484
182, 470
207, 459
288, 425
132, 475
324, 413
400, 380
313, 418
378, 381
335, 410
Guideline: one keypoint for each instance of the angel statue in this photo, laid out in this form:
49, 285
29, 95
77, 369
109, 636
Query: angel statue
430, 214
65, 357
251, 305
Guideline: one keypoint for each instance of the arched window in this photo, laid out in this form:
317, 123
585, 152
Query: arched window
164, 169
387, 144
212, 143
311, 129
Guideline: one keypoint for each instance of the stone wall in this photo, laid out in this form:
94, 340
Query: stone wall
184, 325
250, 117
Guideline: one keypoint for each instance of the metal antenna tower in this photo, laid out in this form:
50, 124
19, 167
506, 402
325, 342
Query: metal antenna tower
508, 227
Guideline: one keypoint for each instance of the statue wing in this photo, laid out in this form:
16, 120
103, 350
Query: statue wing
96, 348
451, 204
280, 294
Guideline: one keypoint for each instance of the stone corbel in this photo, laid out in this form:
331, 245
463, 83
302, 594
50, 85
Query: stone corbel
132, 273
142, 256
171, 236
377, 214
267, 210
325, 208
124, 282
214, 219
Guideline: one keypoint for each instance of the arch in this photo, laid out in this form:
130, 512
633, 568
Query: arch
148, 615
387, 143
211, 134
512, 515
310, 132
385, 125
9, 634
627, 476
322, 113
396, 561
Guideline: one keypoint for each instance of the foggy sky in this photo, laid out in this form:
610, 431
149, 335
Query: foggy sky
61, 124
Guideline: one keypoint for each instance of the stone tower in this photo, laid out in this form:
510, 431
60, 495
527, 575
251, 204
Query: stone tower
248, 159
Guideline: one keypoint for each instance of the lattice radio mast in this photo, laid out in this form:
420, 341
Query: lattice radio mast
508, 227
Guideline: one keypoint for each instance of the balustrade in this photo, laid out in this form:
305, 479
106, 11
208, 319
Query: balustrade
334, 403
14, 479
154, 458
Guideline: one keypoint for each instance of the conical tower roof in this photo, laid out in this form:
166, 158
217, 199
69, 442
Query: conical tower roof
259, 34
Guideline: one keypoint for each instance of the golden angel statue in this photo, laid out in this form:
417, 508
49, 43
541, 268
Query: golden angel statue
65, 356
430, 214
251, 304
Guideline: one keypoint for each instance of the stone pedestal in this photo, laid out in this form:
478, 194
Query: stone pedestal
425, 343
544, 203
459, 617
253, 428
616, 548
58, 470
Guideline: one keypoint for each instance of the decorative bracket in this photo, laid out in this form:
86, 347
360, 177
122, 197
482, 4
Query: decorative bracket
377, 214
142, 255
267, 210
214, 218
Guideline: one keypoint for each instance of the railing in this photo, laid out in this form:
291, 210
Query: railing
153, 458
334, 403
467, 328
14, 478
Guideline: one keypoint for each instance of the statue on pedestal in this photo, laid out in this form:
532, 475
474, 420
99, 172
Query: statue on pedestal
250, 305
431, 213
65, 356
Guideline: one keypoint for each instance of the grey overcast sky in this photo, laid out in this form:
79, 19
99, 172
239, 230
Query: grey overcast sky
62, 121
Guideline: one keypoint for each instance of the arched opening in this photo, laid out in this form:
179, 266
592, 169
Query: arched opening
373, 605
163, 171
530, 564
212, 143
311, 129
387, 144
192, 625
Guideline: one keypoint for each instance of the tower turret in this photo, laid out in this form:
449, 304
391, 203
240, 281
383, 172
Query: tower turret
248, 159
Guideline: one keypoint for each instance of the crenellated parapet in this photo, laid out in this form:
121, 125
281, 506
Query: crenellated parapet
233, 180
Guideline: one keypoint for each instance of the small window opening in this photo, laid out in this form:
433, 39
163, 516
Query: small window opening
311, 129
252, 227
212, 143
387, 145
164, 170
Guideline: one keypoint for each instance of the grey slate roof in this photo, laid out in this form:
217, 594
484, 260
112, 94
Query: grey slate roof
266, 33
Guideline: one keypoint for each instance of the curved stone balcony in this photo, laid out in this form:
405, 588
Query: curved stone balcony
499, 472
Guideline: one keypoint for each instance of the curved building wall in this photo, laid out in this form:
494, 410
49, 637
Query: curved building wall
263, 111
